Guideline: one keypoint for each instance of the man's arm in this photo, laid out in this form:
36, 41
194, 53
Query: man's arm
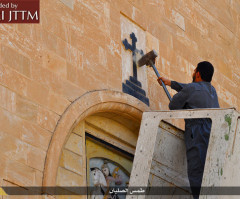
180, 99
174, 85
177, 86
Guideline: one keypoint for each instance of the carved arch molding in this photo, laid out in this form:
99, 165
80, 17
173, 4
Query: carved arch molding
86, 105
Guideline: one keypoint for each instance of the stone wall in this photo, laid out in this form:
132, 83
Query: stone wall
77, 47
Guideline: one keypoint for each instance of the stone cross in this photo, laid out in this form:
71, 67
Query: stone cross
133, 86
134, 50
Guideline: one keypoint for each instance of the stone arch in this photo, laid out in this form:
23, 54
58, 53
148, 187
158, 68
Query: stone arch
86, 105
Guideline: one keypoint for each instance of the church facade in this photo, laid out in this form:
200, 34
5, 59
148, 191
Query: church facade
72, 94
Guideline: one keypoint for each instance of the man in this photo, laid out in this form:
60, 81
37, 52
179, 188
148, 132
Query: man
198, 94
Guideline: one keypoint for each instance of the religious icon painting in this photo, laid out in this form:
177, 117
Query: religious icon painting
108, 169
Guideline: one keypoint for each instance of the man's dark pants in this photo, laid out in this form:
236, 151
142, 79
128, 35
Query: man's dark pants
197, 132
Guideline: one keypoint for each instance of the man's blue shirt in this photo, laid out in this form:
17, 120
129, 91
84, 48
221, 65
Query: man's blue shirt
193, 95
197, 131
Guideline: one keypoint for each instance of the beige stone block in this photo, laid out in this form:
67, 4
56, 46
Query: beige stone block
69, 3
71, 162
94, 33
178, 75
68, 178
15, 60
188, 42
223, 38
80, 128
115, 30
38, 178
224, 68
238, 102
25, 29
47, 119
114, 73
114, 83
219, 11
35, 157
13, 80
222, 80
189, 54
102, 57
72, 73
37, 92
222, 103
74, 56
128, 122
126, 8
183, 66
164, 67
113, 47
178, 19
105, 19
7, 99
26, 109
62, 48
167, 52
57, 85
70, 91
49, 40
75, 144
96, 6
226, 96
34, 135
58, 19
196, 15
83, 78
57, 103
90, 54
76, 38
152, 42
10, 123
78, 76
13, 148
101, 78
36, 33
20, 174
22, 44
87, 13
55, 63
144, 20
114, 14
3, 167
114, 128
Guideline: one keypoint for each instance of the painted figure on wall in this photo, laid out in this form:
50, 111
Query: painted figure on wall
99, 183
104, 176
111, 179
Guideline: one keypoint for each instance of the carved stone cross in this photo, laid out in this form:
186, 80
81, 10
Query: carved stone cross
134, 50
133, 86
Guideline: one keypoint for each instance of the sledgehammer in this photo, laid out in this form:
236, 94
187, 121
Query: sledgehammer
149, 60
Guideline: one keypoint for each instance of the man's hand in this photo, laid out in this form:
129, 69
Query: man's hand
165, 81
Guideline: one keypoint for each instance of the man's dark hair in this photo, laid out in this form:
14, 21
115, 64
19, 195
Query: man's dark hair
206, 70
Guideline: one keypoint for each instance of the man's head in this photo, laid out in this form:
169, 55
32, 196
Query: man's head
203, 72
105, 169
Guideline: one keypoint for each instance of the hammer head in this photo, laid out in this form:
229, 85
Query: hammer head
148, 58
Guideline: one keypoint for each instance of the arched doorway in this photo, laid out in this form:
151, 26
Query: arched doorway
114, 118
